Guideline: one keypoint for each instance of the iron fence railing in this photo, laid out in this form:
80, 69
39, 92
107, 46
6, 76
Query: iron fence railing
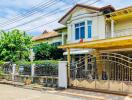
44, 74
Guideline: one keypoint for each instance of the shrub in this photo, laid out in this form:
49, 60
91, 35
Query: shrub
45, 51
43, 67
1, 64
46, 67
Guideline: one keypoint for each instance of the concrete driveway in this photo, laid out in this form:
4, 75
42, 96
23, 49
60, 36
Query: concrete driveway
14, 93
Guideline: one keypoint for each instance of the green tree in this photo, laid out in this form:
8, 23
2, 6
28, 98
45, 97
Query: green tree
41, 51
45, 51
14, 45
56, 53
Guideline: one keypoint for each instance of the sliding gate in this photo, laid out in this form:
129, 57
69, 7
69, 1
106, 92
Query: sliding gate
116, 73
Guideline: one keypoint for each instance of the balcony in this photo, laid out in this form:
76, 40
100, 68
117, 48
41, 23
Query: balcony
120, 33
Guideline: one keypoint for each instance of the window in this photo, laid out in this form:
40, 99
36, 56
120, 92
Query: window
56, 43
79, 30
89, 29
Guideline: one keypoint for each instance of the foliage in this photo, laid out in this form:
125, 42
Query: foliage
45, 51
1, 64
43, 67
46, 67
39, 62
1, 71
23, 63
14, 45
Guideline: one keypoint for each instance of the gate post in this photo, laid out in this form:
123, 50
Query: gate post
96, 53
68, 67
62, 77
13, 71
32, 71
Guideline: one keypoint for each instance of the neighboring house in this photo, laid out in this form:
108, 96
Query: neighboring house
99, 47
53, 38
63, 32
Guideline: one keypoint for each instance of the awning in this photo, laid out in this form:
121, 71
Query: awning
124, 13
75, 52
112, 43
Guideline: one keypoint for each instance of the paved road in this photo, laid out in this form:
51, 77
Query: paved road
14, 93
8, 92
105, 95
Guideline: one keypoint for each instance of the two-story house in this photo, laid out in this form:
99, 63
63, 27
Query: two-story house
99, 48
85, 23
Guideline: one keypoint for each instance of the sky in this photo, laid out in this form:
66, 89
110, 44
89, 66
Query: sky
35, 16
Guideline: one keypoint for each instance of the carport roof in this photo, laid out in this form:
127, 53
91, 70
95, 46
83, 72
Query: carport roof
103, 44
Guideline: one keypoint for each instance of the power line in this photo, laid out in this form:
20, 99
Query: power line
19, 18
41, 17
43, 25
32, 12
92, 2
56, 19
31, 9
29, 14
35, 19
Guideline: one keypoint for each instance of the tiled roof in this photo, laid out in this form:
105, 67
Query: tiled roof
45, 36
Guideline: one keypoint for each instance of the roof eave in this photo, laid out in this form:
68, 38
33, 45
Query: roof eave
61, 21
77, 5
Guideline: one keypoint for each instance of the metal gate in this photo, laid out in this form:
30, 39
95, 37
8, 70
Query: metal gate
116, 73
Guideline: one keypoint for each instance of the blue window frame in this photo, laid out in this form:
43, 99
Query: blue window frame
89, 29
79, 30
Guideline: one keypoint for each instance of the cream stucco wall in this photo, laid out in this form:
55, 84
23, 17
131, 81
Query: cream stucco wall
80, 15
63, 32
50, 40
122, 27
123, 24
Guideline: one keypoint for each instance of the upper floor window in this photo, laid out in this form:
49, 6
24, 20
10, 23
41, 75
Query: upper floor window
89, 29
79, 30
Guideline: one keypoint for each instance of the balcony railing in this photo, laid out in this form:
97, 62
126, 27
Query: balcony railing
117, 33
120, 33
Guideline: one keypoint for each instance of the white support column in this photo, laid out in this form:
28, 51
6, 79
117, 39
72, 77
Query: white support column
62, 77
62, 38
32, 70
72, 33
112, 28
13, 71
86, 30
69, 32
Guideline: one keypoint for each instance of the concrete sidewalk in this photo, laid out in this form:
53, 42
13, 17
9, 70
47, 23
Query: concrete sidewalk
8, 92
106, 96
72, 93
